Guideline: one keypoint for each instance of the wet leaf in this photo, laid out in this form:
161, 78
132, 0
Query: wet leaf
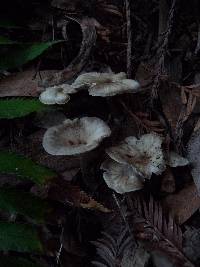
11, 163
15, 108
17, 56
19, 237
19, 202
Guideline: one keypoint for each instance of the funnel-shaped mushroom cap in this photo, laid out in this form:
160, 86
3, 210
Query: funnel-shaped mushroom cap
106, 84
75, 136
57, 94
145, 154
121, 177
176, 160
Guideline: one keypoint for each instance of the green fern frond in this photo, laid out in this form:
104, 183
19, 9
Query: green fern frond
20, 166
20, 238
18, 202
18, 107
10, 261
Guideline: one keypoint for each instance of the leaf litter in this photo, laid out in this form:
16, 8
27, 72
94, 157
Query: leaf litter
119, 171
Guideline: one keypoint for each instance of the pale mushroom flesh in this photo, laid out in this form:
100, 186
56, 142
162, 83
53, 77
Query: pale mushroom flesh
106, 84
57, 94
76, 136
121, 178
144, 154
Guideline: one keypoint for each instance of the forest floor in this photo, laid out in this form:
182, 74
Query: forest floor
63, 208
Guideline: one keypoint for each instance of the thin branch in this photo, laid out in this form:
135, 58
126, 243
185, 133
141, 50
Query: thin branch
129, 38
162, 51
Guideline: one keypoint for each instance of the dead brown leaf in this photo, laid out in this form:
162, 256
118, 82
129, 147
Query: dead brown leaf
183, 204
23, 83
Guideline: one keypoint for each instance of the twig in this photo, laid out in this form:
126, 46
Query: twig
129, 38
162, 51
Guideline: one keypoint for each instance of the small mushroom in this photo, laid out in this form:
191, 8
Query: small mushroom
57, 94
145, 154
75, 136
106, 84
121, 177
175, 160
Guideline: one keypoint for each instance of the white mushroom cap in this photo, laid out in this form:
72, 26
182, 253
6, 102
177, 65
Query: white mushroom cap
106, 84
121, 177
57, 94
75, 136
145, 154
176, 160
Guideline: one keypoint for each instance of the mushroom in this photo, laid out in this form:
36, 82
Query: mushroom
175, 160
121, 177
106, 84
57, 94
145, 154
76, 136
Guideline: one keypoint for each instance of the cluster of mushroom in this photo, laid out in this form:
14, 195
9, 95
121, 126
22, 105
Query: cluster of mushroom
130, 162
134, 160
98, 84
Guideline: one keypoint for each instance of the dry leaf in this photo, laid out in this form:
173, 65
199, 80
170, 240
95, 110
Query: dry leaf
183, 204
24, 83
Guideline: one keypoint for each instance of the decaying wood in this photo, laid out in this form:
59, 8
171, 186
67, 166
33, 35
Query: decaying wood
75, 67
183, 204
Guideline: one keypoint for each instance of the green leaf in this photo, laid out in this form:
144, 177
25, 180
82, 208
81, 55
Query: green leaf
8, 24
18, 55
19, 237
16, 107
11, 163
16, 201
10, 261
6, 41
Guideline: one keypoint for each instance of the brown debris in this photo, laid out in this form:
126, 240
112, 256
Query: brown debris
183, 204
